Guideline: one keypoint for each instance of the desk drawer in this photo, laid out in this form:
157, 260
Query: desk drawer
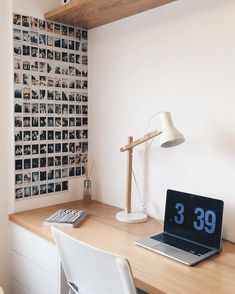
37, 250
32, 277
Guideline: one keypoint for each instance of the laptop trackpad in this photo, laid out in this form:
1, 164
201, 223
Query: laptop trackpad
166, 249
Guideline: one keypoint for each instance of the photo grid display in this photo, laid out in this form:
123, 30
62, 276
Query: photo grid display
50, 105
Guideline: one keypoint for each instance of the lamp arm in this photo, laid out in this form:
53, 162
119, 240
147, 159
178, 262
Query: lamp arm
146, 137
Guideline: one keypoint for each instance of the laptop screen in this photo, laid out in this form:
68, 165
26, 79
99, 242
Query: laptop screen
193, 217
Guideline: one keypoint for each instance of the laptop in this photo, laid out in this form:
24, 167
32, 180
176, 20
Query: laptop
192, 228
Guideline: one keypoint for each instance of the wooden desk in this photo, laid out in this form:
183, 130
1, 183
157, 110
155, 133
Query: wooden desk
152, 272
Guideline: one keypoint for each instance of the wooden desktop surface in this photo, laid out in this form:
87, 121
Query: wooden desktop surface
152, 272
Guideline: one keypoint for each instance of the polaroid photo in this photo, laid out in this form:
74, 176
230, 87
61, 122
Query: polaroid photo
42, 39
43, 189
25, 36
64, 83
57, 148
17, 34
27, 163
78, 34
65, 186
84, 59
71, 160
58, 109
84, 147
34, 52
84, 47
72, 147
34, 108
35, 122
65, 147
43, 148
42, 24
57, 29
64, 43
84, 35
58, 135
42, 81
35, 163
42, 67
50, 41
35, 190
72, 71
18, 136
65, 160
57, 174
18, 122
85, 73
50, 149
57, 55
72, 84
42, 94
58, 95
34, 38
50, 122
64, 172
50, 68
26, 65
78, 84
78, 97
27, 178
35, 177
64, 96
84, 121
43, 176
65, 134
26, 122
50, 26
26, 79
17, 19
64, 70
18, 179
35, 149
42, 107
84, 85
58, 122
51, 188
78, 121
27, 192
50, 108
43, 162
64, 30
26, 136
57, 70
35, 136
42, 53
84, 134
18, 108
72, 135
71, 45
50, 175
34, 65
78, 72
84, 98
57, 42
64, 56
57, 82
33, 22
17, 78
85, 109
71, 172
57, 160
77, 46
43, 121
79, 147
18, 150
65, 109
78, 109
77, 58
18, 193
71, 96
25, 21
71, 109
57, 187
26, 50
71, 32
50, 135
43, 136
18, 164
50, 161
50, 94
17, 63
78, 134
50, 54
77, 159
18, 93
78, 171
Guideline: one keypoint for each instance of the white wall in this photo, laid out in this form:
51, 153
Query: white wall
6, 137
179, 57
37, 9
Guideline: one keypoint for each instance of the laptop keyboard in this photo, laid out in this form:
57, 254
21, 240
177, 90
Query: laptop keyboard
182, 244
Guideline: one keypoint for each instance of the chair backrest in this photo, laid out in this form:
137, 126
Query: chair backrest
92, 270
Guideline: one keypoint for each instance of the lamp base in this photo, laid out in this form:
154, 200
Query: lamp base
131, 218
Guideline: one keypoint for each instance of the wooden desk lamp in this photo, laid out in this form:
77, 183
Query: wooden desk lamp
170, 137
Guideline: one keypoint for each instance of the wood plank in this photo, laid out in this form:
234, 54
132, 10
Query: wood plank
93, 13
152, 272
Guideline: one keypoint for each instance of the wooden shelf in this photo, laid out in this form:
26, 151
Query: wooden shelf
93, 13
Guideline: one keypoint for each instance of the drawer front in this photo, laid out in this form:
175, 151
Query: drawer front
17, 288
33, 278
37, 250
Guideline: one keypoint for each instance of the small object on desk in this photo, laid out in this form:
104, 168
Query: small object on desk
69, 218
87, 192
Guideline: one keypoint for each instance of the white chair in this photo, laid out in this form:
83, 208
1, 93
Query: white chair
92, 271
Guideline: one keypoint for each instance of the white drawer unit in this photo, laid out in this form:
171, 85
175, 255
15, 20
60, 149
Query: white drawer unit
35, 264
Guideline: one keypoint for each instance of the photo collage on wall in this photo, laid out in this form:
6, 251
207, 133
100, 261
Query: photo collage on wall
50, 105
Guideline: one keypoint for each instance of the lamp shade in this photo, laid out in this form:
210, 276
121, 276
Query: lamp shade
170, 136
